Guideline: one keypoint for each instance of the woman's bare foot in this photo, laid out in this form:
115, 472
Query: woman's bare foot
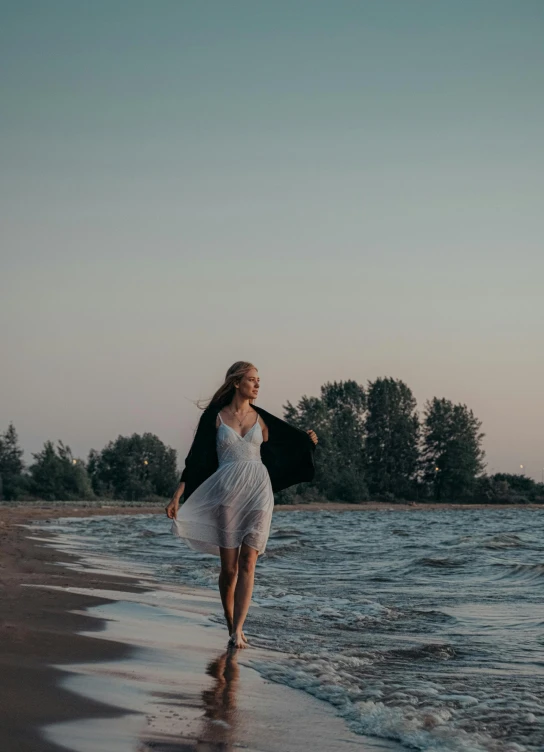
244, 638
236, 641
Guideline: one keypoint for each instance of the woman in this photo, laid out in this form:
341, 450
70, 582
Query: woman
240, 455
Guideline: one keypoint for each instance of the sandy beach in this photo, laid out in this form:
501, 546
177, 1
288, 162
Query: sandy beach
92, 660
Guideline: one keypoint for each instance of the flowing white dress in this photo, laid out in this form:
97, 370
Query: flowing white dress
233, 505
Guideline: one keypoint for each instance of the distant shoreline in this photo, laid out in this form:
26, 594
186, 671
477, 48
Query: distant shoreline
34, 510
376, 506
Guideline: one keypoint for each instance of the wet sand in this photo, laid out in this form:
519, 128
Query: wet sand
94, 661
38, 628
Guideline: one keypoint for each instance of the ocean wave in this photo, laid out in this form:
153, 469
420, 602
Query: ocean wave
497, 541
522, 572
423, 719
503, 540
429, 651
277, 551
441, 562
285, 533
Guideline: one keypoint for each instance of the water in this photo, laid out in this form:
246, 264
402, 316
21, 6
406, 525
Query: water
426, 627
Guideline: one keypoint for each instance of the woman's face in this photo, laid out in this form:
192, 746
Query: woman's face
249, 384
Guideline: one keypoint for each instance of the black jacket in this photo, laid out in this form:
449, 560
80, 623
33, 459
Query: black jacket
288, 454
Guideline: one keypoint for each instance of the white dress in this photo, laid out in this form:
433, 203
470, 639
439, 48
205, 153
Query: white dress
233, 505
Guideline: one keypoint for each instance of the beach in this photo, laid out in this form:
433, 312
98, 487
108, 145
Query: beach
40, 628
91, 660
112, 633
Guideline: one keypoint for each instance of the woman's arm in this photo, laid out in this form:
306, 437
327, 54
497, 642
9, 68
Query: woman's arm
264, 428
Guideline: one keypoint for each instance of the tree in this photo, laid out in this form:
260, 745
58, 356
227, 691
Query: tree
392, 437
509, 488
133, 468
452, 457
57, 475
338, 419
12, 466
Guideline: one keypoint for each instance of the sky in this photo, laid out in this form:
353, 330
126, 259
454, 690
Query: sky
330, 190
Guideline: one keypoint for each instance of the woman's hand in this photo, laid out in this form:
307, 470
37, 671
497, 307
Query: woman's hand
172, 508
312, 435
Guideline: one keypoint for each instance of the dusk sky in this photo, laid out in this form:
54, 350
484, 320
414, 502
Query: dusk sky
331, 190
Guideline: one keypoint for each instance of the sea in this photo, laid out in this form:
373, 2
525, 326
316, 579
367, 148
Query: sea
422, 626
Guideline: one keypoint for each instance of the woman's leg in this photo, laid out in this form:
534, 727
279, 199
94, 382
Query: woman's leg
243, 591
227, 581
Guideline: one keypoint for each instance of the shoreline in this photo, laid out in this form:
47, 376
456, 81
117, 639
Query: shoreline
40, 510
128, 663
388, 506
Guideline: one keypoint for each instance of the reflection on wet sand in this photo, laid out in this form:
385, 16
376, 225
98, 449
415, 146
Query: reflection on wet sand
220, 717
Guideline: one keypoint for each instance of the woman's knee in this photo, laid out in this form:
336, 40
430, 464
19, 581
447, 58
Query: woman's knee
229, 564
229, 572
247, 560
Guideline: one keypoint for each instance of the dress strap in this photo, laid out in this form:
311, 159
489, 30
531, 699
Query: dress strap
220, 418
257, 418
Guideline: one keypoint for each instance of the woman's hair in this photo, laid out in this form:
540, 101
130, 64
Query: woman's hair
225, 393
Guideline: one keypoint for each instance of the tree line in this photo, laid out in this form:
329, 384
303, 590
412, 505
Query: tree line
373, 444
132, 468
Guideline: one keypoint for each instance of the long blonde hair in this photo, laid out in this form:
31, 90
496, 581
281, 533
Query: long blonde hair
226, 391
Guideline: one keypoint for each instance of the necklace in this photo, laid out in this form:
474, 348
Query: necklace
240, 422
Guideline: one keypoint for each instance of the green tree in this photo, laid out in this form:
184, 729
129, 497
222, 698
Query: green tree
512, 488
133, 468
517, 483
452, 456
337, 417
57, 475
12, 480
392, 438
